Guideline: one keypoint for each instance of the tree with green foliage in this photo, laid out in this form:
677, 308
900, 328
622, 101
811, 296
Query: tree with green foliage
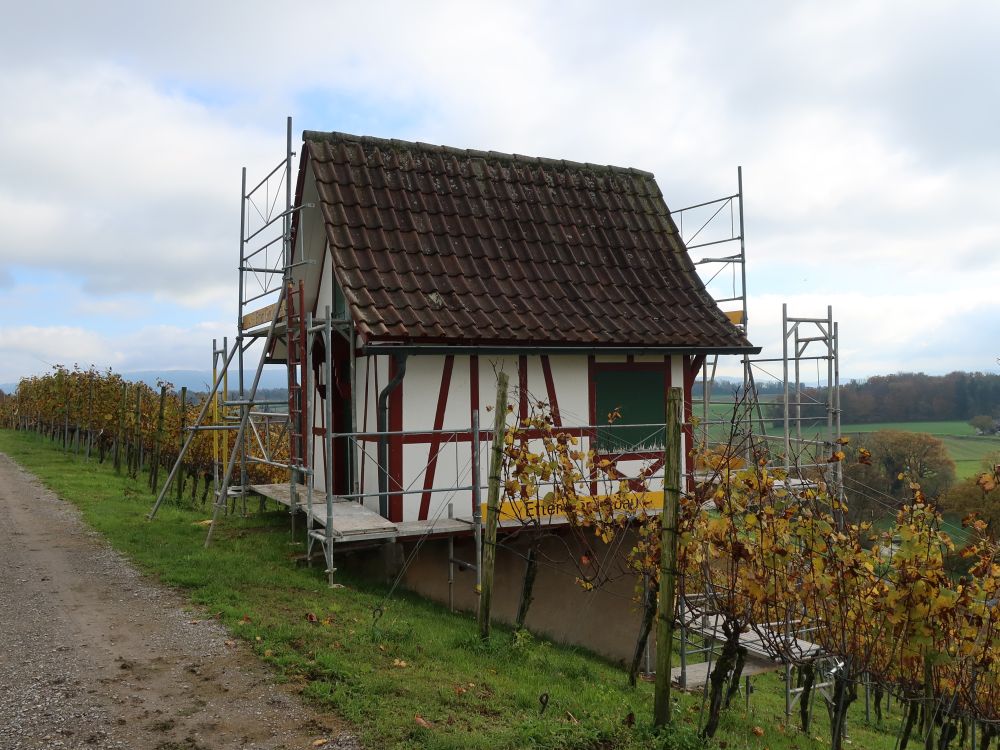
894, 459
984, 424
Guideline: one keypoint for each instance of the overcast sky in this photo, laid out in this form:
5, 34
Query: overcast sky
868, 133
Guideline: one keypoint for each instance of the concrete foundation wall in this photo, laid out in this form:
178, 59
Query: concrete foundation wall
605, 620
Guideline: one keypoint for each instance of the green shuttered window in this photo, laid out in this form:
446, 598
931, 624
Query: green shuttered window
640, 397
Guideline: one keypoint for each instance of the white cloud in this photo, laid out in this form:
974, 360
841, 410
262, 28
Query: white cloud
866, 133
123, 186
35, 349
894, 332
29, 350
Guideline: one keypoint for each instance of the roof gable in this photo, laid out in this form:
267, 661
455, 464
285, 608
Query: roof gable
436, 245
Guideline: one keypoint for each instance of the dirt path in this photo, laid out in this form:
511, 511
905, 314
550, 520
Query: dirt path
94, 655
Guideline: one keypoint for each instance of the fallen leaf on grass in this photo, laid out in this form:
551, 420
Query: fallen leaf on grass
399, 663
311, 617
758, 731
206, 522
422, 721
459, 690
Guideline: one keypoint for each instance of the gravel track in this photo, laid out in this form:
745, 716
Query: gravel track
95, 655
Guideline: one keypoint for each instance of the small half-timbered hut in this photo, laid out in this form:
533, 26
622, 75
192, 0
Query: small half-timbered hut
442, 265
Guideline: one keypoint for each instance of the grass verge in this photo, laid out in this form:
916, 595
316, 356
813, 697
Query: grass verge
417, 660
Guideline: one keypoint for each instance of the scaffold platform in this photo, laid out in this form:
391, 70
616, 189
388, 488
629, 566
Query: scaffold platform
354, 522
759, 659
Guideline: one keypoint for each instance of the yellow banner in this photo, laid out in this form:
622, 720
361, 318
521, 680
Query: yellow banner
550, 510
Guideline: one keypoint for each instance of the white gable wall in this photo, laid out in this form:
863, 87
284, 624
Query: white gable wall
421, 389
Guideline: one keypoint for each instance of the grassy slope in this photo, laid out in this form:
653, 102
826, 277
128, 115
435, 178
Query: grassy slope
966, 449
970, 453
939, 429
474, 696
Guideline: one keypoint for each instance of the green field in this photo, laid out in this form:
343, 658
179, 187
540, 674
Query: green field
969, 451
954, 428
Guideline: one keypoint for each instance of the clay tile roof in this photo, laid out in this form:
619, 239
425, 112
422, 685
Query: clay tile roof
437, 245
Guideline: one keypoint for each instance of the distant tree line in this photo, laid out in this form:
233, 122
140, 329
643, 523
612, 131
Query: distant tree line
916, 397
902, 397
913, 397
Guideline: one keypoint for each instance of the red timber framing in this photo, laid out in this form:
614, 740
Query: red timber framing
691, 366
295, 320
339, 390
550, 390
436, 439
395, 446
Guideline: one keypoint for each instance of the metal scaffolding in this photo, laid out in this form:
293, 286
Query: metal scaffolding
809, 416
265, 276
719, 224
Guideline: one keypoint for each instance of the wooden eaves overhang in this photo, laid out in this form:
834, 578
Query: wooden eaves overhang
439, 249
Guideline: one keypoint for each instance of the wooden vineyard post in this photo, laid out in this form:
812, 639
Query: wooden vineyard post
136, 461
154, 467
90, 414
492, 508
65, 435
180, 446
77, 430
120, 437
668, 559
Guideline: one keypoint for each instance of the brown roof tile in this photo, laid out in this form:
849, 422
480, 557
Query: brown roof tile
435, 245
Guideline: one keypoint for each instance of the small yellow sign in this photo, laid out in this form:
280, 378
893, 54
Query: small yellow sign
552, 511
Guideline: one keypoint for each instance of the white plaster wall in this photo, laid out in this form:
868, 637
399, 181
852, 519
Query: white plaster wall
572, 386
421, 387
569, 374
318, 405
372, 376
677, 381
310, 244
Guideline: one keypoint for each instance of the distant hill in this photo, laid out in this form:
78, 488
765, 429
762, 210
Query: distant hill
201, 380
